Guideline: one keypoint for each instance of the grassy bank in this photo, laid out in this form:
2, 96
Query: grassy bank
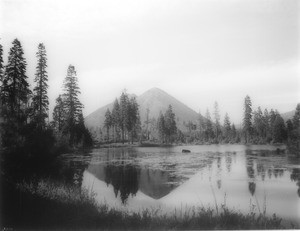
52, 205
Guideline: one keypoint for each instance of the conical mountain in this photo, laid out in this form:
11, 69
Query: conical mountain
156, 100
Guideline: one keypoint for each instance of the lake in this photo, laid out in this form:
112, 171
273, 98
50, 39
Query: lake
256, 178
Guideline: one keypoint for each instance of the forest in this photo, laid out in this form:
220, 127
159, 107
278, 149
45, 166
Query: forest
259, 126
25, 116
38, 190
25, 112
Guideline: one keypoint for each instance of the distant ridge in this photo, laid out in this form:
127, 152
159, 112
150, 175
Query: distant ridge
288, 115
156, 100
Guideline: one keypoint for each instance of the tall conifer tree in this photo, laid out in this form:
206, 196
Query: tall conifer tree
15, 88
170, 124
59, 114
1, 65
116, 119
217, 120
247, 122
123, 113
108, 122
209, 133
40, 100
227, 127
72, 105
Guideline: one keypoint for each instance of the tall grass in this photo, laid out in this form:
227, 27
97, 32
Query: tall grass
53, 205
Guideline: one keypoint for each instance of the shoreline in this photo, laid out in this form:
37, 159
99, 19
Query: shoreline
57, 206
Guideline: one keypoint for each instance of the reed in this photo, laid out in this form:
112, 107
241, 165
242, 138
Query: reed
52, 205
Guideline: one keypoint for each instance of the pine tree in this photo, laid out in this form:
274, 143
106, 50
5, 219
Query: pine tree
1, 82
40, 100
161, 127
296, 118
217, 120
72, 105
108, 122
272, 117
289, 129
59, 114
83, 137
279, 130
123, 113
133, 118
1, 66
170, 124
296, 128
209, 133
1, 77
15, 88
227, 127
15, 94
116, 121
266, 122
247, 124
233, 134
258, 123
147, 122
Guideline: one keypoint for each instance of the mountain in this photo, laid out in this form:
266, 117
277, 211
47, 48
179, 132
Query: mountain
288, 115
152, 182
156, 100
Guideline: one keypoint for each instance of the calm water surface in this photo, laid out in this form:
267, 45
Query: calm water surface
245, 178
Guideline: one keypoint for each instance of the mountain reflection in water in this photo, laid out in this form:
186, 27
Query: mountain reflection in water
127, 179
243, 177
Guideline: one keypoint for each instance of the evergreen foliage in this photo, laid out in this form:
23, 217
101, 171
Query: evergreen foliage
40, 102
108, 122
15, 95
123, 113
279, 130
247, 122
170, 124
161, 127
227, 128
116, 120
58, 114
72, 105
124, 119
209, 132
217, 120
132, 118
1, 65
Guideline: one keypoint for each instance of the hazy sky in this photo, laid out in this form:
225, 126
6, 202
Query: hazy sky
198, 51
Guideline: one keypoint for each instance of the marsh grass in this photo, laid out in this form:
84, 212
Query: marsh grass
53, 205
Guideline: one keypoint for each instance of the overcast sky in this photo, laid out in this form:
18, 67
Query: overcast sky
197, 51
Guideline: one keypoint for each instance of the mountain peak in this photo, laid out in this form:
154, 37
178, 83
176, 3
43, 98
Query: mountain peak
155, 90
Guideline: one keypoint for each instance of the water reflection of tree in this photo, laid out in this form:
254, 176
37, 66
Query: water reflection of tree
219, 183
295, 176
251, 175
123, 178
219, 172
228, 160
261, 171
252, 187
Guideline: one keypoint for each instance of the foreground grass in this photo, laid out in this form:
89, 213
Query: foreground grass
48, 205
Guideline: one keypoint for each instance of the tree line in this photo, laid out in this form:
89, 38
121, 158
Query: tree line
210, 129
269, 126
25, 111
124, 119
258, 127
